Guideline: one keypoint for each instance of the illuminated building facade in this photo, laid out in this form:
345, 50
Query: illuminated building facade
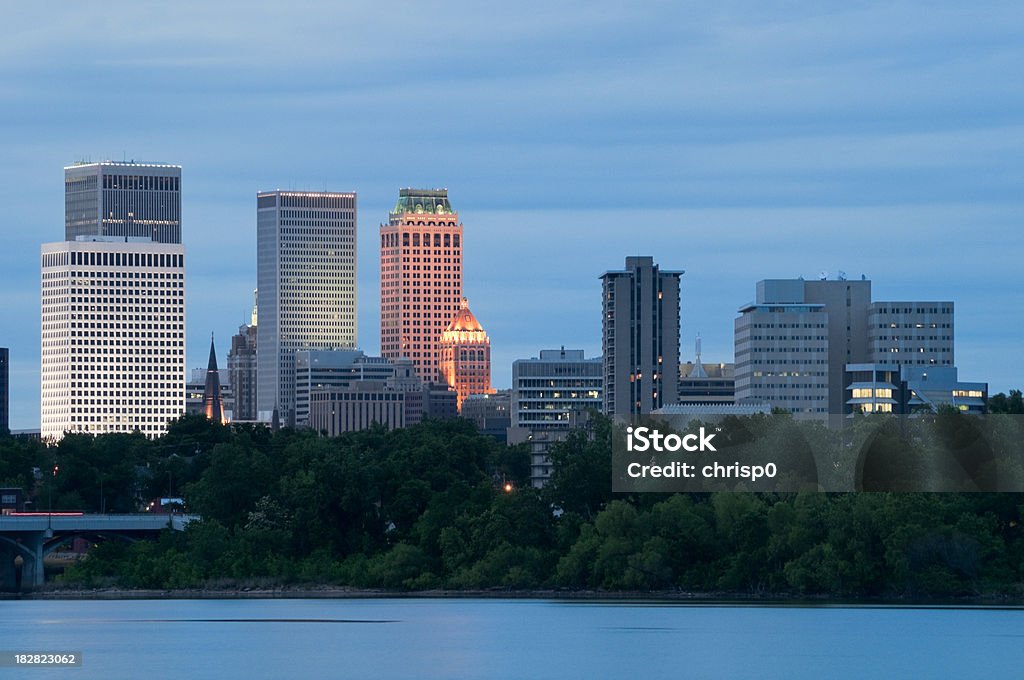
465, 355
123, 199
420, 277
306, 277
113, 336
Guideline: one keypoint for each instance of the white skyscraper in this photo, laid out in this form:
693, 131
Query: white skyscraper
113, 336
306, 276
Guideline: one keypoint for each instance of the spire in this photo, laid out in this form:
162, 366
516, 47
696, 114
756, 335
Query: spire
698, 369
212, 363
213, 407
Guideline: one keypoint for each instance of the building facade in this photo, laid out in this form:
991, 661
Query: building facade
242, 369
552, 394
640, 337
123, 199
701, 383
909, 388
794, 342
911, 333
491, 413
420, 277
306, 277
113, 336
359, 406
465, 355
326, 369
5, 390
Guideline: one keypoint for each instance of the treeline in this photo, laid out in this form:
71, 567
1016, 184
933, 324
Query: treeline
427, 507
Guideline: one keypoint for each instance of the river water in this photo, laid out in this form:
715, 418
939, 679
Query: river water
459, 638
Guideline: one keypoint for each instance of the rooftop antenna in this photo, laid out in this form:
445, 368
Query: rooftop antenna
698, 369
823, 276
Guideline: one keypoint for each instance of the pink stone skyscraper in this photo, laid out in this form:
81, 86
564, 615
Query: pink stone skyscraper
420, 277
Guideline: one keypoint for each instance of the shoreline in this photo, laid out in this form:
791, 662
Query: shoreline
719, 599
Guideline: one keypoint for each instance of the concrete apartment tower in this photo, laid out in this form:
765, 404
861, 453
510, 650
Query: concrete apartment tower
640, 337
465, 355
306, 277
420, 277
113, 303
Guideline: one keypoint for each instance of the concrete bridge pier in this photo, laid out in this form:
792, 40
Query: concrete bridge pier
34, 570
8, 569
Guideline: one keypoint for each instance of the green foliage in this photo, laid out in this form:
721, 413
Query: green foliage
424, 508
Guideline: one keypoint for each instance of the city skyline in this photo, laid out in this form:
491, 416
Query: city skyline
784, 146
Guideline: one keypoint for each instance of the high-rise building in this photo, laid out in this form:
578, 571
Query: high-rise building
640, 337
306, 277
5, 390
113, 336
465, 355
795, 341
123, 199
420, 277
242, 367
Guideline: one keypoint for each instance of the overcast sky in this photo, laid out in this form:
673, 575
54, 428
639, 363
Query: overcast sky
730, 140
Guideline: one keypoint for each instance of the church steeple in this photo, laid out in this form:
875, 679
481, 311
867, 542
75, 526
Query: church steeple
213, 407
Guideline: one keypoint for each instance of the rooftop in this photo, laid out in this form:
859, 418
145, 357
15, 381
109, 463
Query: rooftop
423, 202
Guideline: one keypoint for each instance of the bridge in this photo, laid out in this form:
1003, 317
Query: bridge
33, 537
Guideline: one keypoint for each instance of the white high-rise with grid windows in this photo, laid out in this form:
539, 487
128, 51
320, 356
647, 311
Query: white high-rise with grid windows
113, 336
306, 277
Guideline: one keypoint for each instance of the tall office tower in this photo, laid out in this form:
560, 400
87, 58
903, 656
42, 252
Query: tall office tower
420, 277
113, 336
242, 366
5, 390
465, 355
306, 277
640, 337
123, 199
213, 405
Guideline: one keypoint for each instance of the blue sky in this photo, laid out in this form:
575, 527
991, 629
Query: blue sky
732, 140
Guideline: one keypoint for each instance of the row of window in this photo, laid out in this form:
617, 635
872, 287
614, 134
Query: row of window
141, 183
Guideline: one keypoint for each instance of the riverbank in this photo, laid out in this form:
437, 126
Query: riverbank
668, 597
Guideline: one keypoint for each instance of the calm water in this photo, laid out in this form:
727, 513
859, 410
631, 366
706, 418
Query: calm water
228, 639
